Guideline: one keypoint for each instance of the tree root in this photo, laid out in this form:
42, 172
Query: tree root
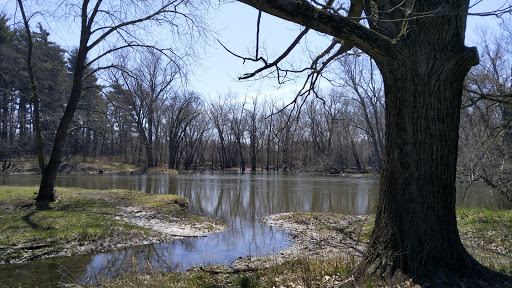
384, 272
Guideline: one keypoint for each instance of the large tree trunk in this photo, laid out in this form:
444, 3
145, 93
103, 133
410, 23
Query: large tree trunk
46, 188
416, 228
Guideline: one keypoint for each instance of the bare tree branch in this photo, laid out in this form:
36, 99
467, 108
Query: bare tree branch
278, 59
33, 90
325, 22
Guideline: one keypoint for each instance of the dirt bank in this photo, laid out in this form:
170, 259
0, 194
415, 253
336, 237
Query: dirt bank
315, 235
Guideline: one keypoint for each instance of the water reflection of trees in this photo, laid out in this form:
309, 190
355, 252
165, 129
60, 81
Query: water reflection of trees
239, 199
163, 256
250, 195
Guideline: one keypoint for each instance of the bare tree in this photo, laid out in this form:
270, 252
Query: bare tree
122, 25
238, 126
329, 123
33, 90
146, 88
321, 133
271, 108
182, 111
419, 49
285, 134
486, 137
218, 113
194, 139
358, 75
255, 121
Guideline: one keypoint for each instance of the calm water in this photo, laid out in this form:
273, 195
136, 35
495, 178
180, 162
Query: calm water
238, 199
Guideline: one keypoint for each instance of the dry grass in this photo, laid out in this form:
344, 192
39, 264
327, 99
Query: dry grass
302, 272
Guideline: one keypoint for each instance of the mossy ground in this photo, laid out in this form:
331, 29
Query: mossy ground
79, 218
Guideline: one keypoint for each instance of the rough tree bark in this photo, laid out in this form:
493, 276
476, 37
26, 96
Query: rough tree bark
415, 228
419, 49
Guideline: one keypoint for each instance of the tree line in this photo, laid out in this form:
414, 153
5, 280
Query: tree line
142, 115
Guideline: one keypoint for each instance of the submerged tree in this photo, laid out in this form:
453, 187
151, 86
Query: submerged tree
419, 49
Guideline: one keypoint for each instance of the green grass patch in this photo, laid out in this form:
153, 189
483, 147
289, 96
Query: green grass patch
79, 216
493, 227
487, 234
161, 203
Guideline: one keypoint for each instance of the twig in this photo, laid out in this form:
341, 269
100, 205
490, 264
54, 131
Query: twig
231, 271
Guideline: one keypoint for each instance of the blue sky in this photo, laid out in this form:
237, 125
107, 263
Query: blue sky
235, 25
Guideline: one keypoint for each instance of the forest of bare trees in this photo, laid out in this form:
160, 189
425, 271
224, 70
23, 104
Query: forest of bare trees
146, 117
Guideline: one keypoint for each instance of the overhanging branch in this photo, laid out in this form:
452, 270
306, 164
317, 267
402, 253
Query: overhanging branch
324, 21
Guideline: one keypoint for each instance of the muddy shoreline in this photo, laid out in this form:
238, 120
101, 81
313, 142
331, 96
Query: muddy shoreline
160, 231
314, 235
326, 235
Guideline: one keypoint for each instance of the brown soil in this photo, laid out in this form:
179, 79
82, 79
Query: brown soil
162, 229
